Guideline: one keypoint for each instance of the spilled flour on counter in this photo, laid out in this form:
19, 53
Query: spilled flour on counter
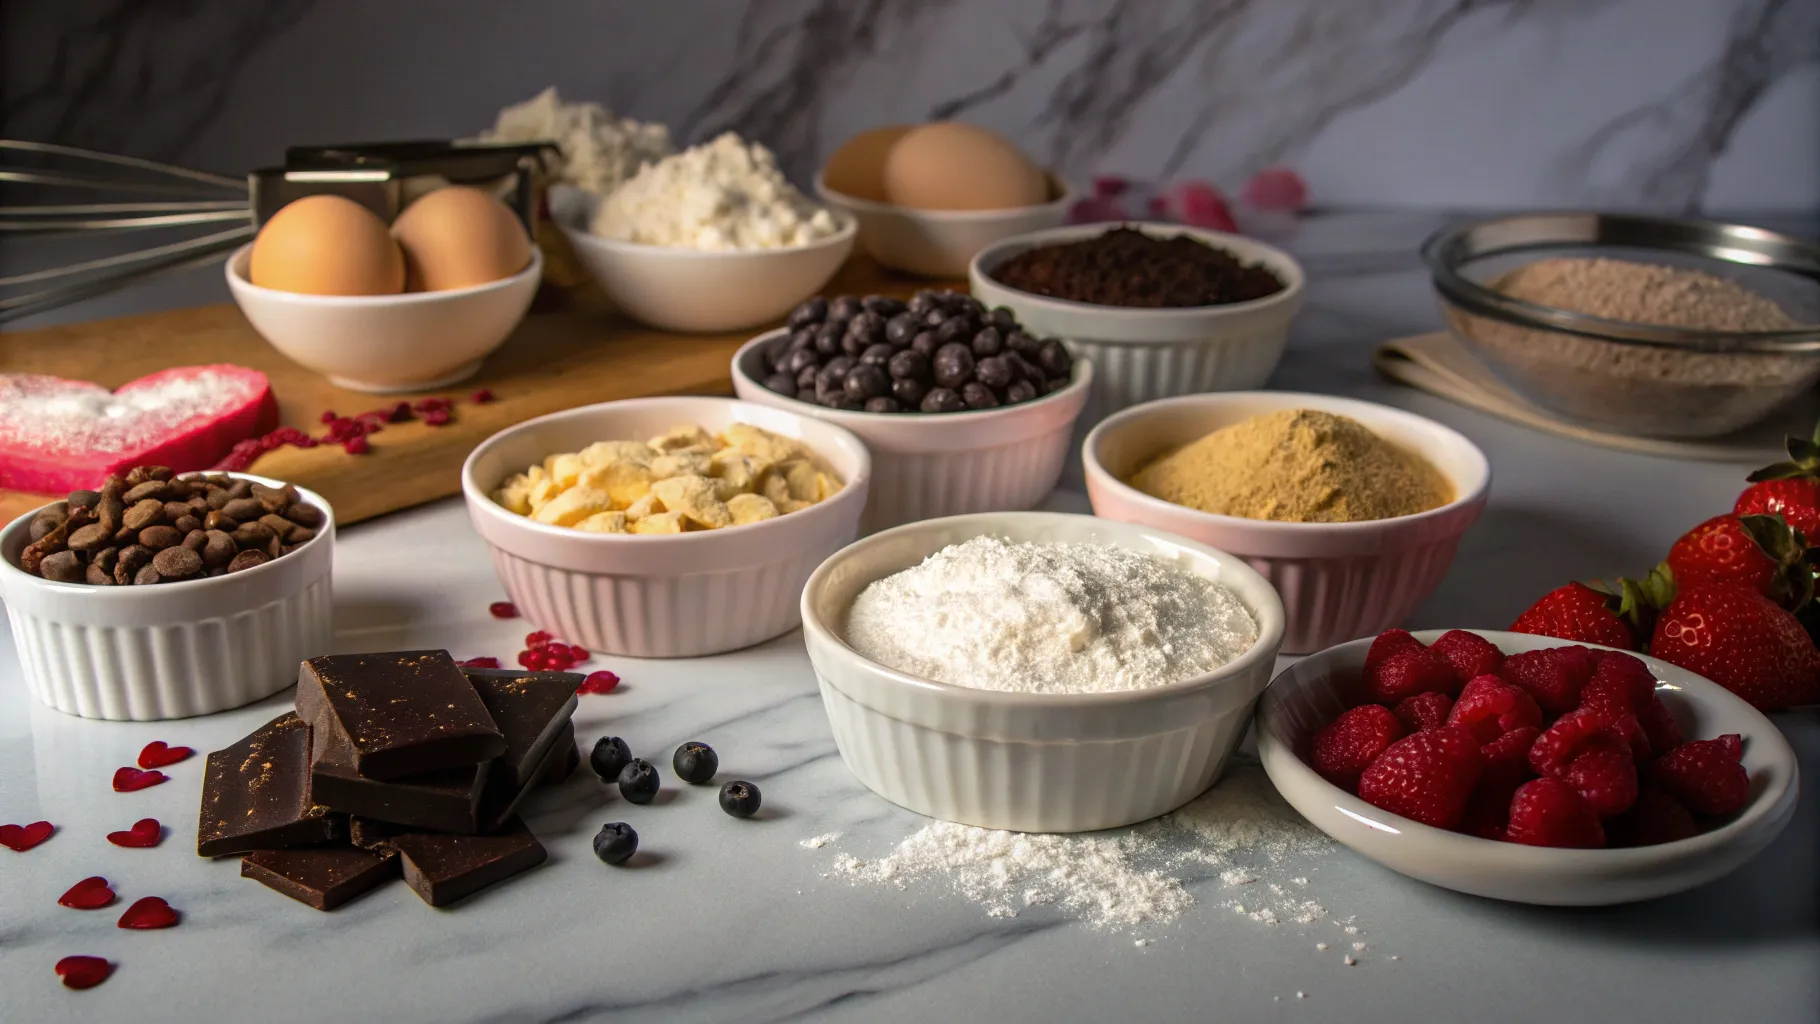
1238, 833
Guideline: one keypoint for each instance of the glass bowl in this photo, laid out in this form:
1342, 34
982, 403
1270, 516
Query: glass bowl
1623, 376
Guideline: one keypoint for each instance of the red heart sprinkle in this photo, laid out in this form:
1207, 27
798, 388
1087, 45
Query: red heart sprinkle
21, 838
157, 754
83, 971
88, 894
599, 682
150, 912
128, 780
503, 610
145, 833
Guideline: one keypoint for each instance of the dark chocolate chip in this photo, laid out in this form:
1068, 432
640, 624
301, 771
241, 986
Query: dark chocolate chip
247, 560
132, 559
96, 576
177, 563
147, 575
305, 514
217, 520
92, 537
84, 499
146, 491
174, 510
217, 548
62, 567
244, 510
143, 514
195, 540
157, 538
187, 523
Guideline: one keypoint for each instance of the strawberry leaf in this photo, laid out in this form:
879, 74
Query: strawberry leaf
1803, 461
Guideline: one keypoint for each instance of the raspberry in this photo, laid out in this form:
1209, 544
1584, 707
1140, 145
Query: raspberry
1491, 707
1389, 642
1424, 711
1705, 775
1659, 726
1621, 679
1428, 776
1352, 741
1655, 818
1504, 762
1469, 654
1408, 672
1548, 812
1605, 775
1553, 676
1562, 741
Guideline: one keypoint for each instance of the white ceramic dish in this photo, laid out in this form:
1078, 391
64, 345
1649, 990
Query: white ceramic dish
925, 466
677, 596
388, 343
1146, 354
939, 243
1030, 762
1339, 581
171, 650
1313, 691
693, 290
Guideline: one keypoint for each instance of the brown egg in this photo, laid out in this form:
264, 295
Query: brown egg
954, 166
326, 245
458, 237
857, 169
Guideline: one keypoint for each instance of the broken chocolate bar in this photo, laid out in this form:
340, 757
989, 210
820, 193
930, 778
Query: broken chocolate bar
324, 877
530, 709
444, 868
256, 794
447, 801
398, 714
570, 762
502, 800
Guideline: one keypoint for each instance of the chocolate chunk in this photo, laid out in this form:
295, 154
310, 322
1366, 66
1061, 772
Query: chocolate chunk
530, 709
443, 869
177, 563
372, 834
446, 800
502, 800
247, 560
399, 714
92, 537
160, 537
256, 794
560, 774
324, 877
63, 567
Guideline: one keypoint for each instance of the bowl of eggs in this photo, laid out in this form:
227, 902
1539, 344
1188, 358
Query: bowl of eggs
930, 197
377, 308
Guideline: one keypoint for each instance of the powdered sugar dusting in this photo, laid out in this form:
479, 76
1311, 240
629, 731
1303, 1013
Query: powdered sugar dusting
54, 415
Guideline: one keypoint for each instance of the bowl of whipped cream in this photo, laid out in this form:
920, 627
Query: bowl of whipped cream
1036, 671
710, 239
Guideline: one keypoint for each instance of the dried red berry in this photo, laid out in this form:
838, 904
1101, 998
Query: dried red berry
431, 404
145, 833
149, 912
88, 894
20, 838
479, 663
399, 413
83, 971
537, 638
528, 660
328, 416
481, 397
599, 682
437, 417
578, 654
130, 780
503, 610
158, 754
356, 446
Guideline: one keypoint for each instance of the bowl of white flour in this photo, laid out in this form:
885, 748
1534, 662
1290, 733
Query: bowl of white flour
1035, 671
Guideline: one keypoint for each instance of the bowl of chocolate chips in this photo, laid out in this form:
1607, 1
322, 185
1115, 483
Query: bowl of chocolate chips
964, 409
159, 596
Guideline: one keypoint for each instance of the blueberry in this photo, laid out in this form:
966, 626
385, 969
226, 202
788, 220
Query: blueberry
1021, 343
616, 842
925, 344
884, 403
782, 383
844, 308
1002, 318
610, 756
901, 328
953, 365
993, 371
808, 395
739, 799
695, 763
877, 355
955, 329
909, 365
806, 379
812, 311
1054, 358
884, 305
1019, 391
988, 342
800, 358
638, 781
978, 396
924, 300
942, 400
827, 340
801, 338
909, 391
866, 381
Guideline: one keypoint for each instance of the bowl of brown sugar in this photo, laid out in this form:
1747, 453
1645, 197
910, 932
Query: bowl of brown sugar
1160, 309
1353, 511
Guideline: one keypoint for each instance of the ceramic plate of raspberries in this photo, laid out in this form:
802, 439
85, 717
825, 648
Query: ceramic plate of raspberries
1526, 768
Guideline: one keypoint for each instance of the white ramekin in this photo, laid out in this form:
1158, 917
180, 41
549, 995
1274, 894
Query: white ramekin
1339, 581
1031, 762
654, 596
385, 344
939, 243
698, 290
1146, 354
171, 650
929, 465
1314, 691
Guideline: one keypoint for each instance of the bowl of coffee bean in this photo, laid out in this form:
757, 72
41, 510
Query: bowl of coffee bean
1161, 309
963, 408
159, 596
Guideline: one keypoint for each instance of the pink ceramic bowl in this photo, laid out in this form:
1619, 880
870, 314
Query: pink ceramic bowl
655, 596
1339, 581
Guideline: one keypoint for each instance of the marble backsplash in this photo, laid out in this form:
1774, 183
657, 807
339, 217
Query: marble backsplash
1658, 104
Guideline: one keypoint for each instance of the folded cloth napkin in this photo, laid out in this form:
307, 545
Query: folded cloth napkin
1438, 364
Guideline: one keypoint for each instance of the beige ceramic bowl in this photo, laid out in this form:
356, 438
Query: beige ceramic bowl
940, 243
1339, 581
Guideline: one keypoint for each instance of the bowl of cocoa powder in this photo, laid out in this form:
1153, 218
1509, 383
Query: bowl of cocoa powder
1161, 309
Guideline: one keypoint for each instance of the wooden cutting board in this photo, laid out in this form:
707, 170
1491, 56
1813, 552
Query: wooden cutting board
570, 350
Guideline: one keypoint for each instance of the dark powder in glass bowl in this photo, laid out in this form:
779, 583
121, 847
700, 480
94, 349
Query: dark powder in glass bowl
1126, 267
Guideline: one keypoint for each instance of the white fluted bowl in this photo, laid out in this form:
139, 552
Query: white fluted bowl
1145, 354
929, 465
661, 596
1031, 762
171, 650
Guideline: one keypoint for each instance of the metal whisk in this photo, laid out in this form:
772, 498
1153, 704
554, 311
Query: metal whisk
136, 194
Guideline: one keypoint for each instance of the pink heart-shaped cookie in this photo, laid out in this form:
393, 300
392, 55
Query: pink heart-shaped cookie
88, 894
145, 833
127, 780
149, 912
21, 838
157, 754
60, 435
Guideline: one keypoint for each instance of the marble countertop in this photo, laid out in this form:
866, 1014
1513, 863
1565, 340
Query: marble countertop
739, 921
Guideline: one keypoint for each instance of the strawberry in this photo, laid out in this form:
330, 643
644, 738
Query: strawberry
1579, 613
1428, 776
1741, 640
1791, 488
1757, 551
1548, 812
